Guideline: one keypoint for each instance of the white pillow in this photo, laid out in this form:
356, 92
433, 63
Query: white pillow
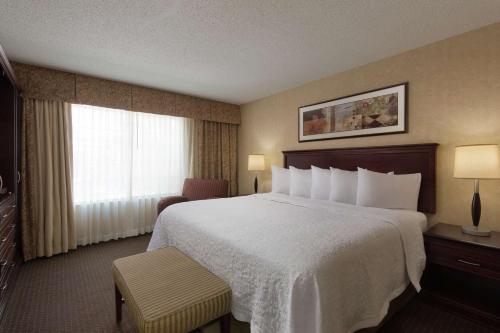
280, 180
320, 186
343, 185
300, 182
388, 191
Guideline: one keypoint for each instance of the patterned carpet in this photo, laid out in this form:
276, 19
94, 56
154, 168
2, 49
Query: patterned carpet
74, 293
71, 292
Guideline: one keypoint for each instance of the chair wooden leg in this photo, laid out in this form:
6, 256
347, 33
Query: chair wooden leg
225, 324
118, 304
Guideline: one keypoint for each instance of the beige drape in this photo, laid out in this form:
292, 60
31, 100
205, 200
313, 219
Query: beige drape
215, 152
47, 221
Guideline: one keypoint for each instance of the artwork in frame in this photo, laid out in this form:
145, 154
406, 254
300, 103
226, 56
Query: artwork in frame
375, 112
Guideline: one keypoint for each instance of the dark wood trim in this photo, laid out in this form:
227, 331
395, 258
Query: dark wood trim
466, 294
394, 147
118, 304
9, 285
447, 246
463, 273
406, 85
454, 233
225, 323
9, 166
8, 68
402, 159
461, 308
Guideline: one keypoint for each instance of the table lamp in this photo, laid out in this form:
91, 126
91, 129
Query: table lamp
477, 162
256, 163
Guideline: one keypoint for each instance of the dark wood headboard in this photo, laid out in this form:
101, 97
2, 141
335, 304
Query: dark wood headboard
417, 158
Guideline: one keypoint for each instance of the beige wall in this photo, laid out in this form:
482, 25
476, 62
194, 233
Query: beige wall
454, 99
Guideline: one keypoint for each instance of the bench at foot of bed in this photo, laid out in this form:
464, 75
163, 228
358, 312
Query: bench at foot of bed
168, 292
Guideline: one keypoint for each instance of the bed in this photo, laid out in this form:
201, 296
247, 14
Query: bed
302, 265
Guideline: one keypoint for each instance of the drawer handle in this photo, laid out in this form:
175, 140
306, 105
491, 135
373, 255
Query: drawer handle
469, 262
4, 239
5, 216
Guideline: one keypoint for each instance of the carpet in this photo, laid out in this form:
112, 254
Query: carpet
74, 292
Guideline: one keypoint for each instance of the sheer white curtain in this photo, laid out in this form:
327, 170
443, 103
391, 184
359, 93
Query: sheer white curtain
123, 162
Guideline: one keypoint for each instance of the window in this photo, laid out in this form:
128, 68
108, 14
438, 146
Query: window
126, 159
121, 154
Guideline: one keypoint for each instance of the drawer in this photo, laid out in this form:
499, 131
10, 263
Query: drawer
7, 203
7, 263
6, 241
5, 284
6, 228
461, 256
7, 214
3, 290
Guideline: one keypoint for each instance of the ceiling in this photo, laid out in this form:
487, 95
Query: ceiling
229, 50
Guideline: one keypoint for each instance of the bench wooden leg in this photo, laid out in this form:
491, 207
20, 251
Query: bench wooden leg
225, 324
118, 304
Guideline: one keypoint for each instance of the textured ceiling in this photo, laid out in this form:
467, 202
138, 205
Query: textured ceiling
229, 50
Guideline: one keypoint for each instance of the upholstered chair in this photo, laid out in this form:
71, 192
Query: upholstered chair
197, 189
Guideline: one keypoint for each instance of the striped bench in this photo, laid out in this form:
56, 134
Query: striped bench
168, 292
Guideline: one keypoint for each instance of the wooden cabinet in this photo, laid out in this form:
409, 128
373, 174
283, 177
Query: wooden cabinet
9, 172
463, 272
8, 242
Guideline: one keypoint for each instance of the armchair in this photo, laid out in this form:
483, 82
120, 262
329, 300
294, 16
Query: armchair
196, 189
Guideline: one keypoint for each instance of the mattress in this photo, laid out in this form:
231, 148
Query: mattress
300, 265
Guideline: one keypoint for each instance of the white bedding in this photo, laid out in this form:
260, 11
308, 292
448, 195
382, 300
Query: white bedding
300, 265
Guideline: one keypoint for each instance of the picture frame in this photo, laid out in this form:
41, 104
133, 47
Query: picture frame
375, 112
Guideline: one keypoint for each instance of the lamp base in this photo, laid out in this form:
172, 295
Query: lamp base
476, 231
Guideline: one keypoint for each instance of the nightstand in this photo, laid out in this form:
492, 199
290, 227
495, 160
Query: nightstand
463, 272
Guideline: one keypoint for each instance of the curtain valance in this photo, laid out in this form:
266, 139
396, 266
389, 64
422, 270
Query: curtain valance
48, 84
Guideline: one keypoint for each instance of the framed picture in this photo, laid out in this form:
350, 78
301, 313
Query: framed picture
376, 112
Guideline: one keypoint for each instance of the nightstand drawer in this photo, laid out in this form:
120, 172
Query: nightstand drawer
464, 257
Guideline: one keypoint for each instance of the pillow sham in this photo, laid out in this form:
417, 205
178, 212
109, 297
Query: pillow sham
343, 185
300, 182
320, 184
388, 191
280, 180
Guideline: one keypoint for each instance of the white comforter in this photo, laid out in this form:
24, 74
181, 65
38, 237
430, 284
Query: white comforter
300, 265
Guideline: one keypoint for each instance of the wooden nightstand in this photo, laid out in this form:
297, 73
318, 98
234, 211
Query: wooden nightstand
463, 272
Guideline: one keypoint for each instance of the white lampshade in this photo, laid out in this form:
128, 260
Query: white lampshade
256, 163
477, 162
